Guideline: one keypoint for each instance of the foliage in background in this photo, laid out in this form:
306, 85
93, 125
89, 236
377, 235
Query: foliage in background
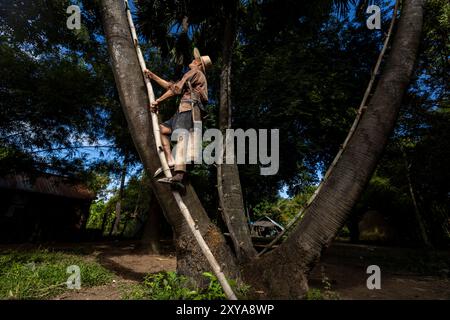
305, 81
58, 101
96, 213
52, 89
419, 149
283, 210
135, 208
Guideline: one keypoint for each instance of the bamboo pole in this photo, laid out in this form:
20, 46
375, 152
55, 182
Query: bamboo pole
361, 109
184, 210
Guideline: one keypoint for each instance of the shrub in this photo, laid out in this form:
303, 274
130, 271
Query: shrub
171, 286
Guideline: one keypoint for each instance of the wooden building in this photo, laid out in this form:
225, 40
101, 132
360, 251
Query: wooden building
45, 208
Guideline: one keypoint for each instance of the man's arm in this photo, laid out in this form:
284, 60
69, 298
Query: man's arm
154, 106
173, 89
177, 87
169, 93
163, 83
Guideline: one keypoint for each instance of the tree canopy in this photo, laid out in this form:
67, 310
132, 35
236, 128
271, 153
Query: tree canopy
301, 67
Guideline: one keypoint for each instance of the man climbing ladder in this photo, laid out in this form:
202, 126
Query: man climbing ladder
193, 89
216, 268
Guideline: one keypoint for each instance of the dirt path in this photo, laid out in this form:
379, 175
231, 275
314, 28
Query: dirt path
113, 291
343, 268
350, 284
130, 266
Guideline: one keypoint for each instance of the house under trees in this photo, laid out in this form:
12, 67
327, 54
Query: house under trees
42, 208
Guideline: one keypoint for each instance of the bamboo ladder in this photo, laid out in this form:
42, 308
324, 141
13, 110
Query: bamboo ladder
184, 210
361, 109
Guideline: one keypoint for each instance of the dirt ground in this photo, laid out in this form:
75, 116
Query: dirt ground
128, 263
405, 273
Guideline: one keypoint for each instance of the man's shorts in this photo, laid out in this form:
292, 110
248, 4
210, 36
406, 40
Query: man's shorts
180, 120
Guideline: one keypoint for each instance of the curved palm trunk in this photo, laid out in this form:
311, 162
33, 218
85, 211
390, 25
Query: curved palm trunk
133, 98
228, 183
328, 212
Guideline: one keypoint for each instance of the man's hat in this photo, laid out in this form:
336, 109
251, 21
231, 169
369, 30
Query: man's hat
205, 60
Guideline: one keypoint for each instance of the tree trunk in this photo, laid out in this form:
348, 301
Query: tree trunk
292, 261
228, 182
125, 225
151, 235
420, 223
104, 222
119, 201
134, 101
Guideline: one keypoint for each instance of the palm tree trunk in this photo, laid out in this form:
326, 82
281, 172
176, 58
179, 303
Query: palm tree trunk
134, 101
294, 258
228, 182
151, 235
421, 225
119, 201
104, 222
125, 225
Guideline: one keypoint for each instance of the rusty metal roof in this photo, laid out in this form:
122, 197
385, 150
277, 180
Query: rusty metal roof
267, 222
47, 184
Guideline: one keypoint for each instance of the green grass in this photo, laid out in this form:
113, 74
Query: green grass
41, 274
326, 293
171, 286
318, 294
